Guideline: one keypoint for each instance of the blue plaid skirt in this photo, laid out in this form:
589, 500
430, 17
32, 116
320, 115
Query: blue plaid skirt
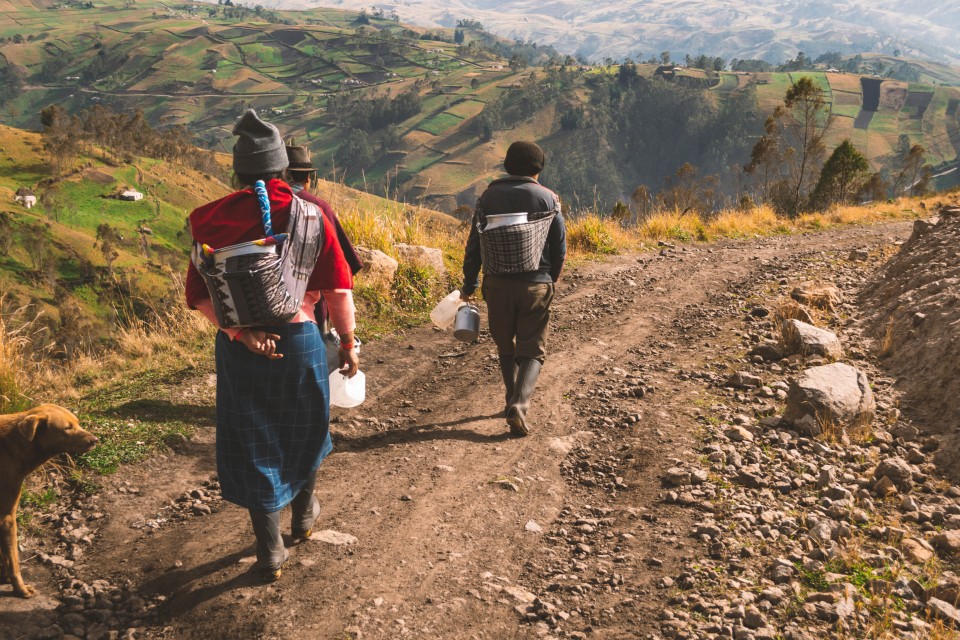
273, 417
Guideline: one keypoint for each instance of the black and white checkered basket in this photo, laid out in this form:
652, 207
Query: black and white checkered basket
515, 248
253, 284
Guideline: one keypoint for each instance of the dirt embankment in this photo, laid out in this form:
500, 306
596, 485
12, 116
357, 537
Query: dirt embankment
912, 307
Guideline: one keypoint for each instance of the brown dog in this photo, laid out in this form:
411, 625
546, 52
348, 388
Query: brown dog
27, 440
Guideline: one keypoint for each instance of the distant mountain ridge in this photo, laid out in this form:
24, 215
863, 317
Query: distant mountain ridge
772, 30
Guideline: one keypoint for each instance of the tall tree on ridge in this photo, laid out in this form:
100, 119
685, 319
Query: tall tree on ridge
800, 124
842, 176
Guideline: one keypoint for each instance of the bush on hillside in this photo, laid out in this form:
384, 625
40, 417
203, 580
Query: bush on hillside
125, 135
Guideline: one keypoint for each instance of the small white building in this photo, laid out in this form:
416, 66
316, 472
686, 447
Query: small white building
131, 196
28, 201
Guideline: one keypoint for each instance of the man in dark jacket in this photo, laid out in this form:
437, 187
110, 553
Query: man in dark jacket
300, 176
518, 304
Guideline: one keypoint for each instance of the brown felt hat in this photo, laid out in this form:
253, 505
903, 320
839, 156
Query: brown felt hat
524, 158
299, 157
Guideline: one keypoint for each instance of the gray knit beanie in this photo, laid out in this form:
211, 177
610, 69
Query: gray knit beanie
260, 148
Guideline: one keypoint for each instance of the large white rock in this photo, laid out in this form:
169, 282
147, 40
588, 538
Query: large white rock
425, 256
836, 393
335, 538
806, 339
377, 265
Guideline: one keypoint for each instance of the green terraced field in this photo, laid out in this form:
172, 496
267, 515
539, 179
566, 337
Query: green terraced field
418, 161
847, 111
440, 123
262, 54
885, 123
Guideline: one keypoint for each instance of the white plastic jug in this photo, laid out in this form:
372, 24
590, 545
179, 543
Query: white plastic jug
445, 313
345, 392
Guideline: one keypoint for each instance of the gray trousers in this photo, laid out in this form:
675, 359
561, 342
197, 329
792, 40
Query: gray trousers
271, 553
518, 313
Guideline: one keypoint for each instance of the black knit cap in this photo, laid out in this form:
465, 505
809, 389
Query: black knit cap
259, 148
524, 158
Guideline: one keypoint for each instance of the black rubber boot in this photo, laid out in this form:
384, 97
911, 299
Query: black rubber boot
529, 370
306, 510
271, 554
508, 369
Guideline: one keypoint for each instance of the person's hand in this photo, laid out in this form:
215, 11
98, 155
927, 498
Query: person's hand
349, 362
261, 343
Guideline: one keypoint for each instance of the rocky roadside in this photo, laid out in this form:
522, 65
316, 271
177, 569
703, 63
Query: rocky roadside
801, 528
103, 609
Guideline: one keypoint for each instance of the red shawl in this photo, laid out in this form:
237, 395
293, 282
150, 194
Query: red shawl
236, 218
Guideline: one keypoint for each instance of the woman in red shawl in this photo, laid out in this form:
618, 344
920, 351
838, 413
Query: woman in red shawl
273, 395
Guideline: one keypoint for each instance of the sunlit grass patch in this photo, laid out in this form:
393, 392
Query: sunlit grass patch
126, 441
592, 234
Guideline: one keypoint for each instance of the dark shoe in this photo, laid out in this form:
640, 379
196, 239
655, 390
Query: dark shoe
508, 369
529, 370
306, 511
272, 575
271, 553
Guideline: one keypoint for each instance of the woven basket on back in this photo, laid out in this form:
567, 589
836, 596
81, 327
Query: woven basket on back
515, 248
263, 282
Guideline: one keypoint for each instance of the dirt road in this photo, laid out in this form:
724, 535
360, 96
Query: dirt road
459, 527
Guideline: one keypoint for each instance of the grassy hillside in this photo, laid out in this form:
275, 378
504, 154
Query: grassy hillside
87, 262
54, 259
200, 65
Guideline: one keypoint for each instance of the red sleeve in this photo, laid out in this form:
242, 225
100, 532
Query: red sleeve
332, 270
196, 288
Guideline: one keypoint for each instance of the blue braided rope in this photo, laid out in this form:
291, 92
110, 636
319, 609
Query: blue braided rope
261, 190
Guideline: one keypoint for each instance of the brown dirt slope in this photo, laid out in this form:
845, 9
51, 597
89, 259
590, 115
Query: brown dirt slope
911, 306
912, 309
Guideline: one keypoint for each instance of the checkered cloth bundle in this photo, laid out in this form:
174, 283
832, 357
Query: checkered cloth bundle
516, 248
263, 282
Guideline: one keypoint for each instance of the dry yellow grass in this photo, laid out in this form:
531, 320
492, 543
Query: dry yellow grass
382, 227
886, 342
15, 370
789, 309
593, 235
32, 367
735, 223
